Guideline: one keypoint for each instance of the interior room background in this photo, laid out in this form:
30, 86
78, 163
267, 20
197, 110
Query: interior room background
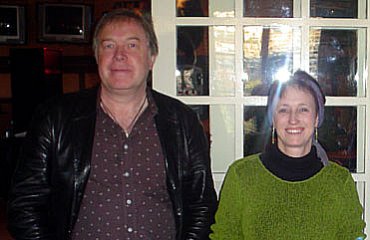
219, 57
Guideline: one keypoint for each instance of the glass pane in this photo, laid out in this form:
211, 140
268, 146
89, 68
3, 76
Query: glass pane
338, 135
221, 8
334, 8
192, 8
268, 8
256, 130
222, 79
192, 61
333, 60
222, 118
268, 54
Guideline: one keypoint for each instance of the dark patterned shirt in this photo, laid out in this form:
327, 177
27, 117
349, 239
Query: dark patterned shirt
126, 195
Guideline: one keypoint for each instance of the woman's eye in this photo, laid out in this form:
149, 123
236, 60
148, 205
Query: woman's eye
282, 110
304, 109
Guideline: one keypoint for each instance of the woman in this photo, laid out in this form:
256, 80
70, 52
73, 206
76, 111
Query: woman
291, 190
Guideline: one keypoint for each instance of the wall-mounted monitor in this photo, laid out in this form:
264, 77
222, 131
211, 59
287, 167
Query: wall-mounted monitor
12, 24
64, 22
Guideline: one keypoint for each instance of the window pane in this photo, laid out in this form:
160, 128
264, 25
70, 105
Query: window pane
256, 130
338, 135
222, 79
268, 54
192, 61
192, 8
268, 8
334, 8
222, 121
219, 8
333, 60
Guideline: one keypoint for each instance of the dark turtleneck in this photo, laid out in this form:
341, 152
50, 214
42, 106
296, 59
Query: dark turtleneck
291, 168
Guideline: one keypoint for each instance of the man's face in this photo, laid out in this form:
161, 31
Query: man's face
123, 56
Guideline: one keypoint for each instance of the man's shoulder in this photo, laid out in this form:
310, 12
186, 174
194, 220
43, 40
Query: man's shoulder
83, 101
168, 103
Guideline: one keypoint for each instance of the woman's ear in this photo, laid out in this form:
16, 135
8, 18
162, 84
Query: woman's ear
317, 121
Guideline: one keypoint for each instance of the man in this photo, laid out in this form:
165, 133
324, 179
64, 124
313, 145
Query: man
118, 162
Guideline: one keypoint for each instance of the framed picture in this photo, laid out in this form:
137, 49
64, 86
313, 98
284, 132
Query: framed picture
64, 22
12, 24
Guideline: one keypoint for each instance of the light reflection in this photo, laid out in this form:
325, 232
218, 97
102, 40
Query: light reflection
282, 74
223, 14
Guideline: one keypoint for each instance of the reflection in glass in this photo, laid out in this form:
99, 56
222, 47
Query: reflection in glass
269, 53
222, 121
338, 134
334, 8
333, 60
192, 61
257, 132
222, 79
272, 8
222, 8
192, 8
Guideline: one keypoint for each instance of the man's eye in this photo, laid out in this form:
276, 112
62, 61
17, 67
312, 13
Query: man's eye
132, 45
108, 45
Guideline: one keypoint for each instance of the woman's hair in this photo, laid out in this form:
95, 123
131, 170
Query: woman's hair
127, 15
302, 81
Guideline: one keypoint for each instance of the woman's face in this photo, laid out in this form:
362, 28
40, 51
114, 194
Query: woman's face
295, 119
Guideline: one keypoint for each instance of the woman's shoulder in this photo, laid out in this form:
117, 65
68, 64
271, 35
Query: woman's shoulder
337, 171
248, 162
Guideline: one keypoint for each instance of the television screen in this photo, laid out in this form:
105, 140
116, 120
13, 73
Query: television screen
64, 22
12, 28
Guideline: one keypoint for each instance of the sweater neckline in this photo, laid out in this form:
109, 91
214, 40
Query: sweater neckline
289, 168
305, 181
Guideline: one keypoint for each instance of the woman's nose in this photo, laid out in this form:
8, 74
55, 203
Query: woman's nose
293, 117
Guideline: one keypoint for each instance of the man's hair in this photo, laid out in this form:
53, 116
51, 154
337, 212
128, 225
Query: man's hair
145, 21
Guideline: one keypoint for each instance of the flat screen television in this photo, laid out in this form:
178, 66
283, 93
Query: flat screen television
12, 24
64, 22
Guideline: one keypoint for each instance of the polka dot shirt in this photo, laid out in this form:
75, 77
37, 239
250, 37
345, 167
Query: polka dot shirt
126, 195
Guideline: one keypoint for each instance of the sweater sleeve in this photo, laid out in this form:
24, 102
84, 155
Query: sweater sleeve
228, 216
353, 224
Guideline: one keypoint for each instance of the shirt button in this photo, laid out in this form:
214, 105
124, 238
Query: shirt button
128, 201
129, 229
125, 146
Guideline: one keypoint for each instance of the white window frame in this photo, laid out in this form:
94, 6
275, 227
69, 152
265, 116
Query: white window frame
165, 21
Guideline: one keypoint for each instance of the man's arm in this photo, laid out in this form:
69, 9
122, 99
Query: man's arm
30, 190
200, 199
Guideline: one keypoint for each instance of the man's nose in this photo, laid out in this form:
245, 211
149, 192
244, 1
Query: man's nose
120, 54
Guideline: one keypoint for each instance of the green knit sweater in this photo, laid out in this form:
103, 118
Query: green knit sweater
255, 204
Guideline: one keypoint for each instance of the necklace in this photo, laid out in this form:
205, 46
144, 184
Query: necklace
132, 123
